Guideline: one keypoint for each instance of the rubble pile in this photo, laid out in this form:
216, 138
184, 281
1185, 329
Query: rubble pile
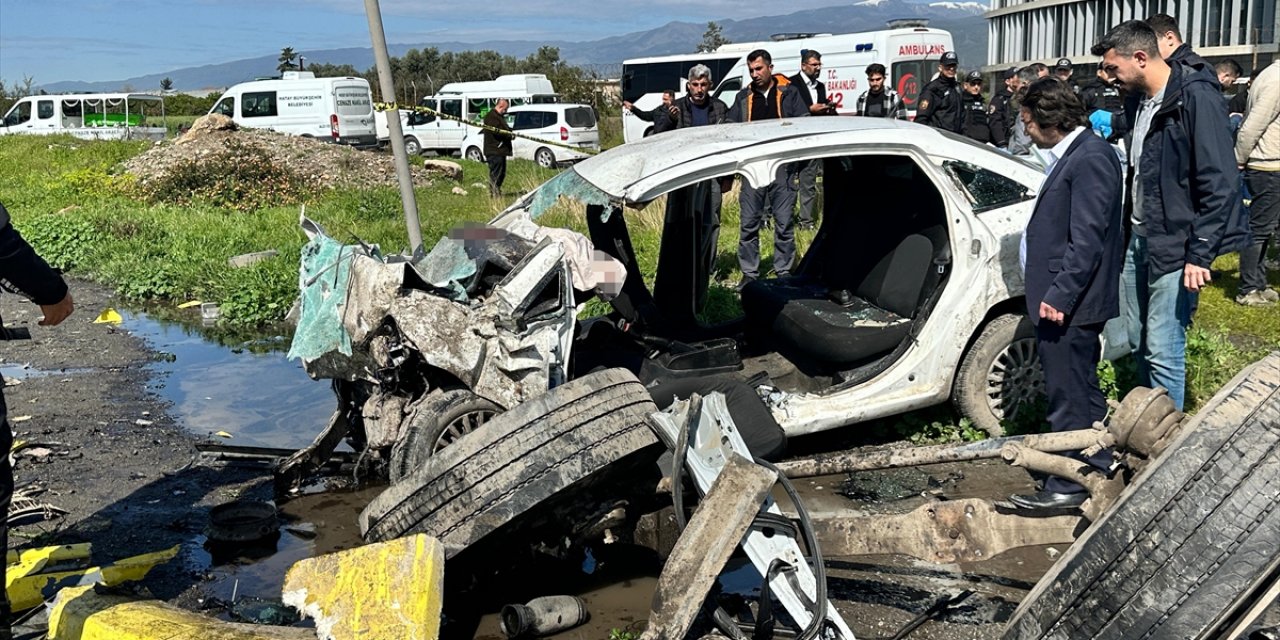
321, 165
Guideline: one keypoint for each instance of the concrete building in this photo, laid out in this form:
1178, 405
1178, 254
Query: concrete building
1026, 31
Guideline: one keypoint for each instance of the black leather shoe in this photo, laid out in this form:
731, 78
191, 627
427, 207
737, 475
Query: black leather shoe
1049, 500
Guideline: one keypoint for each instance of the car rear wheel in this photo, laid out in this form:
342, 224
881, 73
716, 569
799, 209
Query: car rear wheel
474, 154
411, 146
1189, 544
999, 378
545, 466
545, 158
438, 421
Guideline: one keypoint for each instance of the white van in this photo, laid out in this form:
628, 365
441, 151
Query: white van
338, 110
470, 102
571, 125
908, 49
92, 116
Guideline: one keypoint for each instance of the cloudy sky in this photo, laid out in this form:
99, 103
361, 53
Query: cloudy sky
91, 40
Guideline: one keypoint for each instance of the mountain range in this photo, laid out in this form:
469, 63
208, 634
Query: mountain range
963, 19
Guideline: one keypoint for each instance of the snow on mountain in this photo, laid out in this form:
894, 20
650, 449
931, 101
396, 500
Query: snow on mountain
976, 7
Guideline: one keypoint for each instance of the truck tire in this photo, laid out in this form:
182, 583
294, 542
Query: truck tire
1000, 374
437, 421
411, 146
1192, 539
519, 462
474, 154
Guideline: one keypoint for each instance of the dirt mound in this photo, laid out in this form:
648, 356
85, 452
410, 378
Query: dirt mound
215, 140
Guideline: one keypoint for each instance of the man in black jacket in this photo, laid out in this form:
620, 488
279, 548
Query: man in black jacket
768, 97
663, 116
976, 124
1173, 49
1000, 111
698, 109
1183, 203
1104, 104
814, 94
497, 145
23, 272
940, 99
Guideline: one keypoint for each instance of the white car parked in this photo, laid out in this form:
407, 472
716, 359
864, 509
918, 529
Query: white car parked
573, 125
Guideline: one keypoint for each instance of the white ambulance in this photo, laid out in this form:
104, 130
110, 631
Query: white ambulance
338, 110
908, 49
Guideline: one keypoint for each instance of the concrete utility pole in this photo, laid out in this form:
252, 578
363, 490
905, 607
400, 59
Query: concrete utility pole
386, 86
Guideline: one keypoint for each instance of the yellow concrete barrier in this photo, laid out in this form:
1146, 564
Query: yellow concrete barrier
392, 590
81, 614
29, 583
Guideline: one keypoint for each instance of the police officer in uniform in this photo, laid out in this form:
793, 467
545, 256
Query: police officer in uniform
1101, 94
976, 124
1000, 112
940, 100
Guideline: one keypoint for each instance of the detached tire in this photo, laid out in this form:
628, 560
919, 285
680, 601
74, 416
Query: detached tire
1188, 543
438, 421
1000, 374
518, 463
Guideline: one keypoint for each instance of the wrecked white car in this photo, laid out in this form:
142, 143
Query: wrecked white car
918, 243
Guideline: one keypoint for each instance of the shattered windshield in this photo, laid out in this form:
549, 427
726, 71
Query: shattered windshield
986, 189
572, 186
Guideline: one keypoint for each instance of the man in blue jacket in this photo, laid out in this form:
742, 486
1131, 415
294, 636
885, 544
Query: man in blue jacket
24, 272
1183, 204
1073, 251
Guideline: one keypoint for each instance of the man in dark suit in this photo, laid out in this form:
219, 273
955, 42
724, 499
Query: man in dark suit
814, 95
1072, 253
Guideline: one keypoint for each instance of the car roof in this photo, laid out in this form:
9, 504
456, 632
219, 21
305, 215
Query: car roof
640, 170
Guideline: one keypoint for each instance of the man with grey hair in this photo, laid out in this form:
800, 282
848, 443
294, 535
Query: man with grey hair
696, 108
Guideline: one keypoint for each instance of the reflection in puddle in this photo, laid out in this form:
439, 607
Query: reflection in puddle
261, 399
19, 372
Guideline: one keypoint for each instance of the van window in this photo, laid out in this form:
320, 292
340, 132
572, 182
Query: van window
730, 87
44, 109
545, 98
580, 117
226, 107
71, 108
451, 108
354, 101
533, 120
909, 78
19, 114
259, 104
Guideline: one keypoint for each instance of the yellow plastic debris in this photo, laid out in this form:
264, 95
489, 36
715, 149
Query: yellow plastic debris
24, 562
190, 303
81, 614
108, 316
386, 590
33, 588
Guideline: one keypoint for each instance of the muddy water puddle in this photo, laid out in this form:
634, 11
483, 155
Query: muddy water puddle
251, 391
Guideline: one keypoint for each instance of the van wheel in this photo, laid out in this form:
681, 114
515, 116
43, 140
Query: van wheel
543, 466
474, 154
438, 421
545, 158
999, 377
411, 146
1190, 544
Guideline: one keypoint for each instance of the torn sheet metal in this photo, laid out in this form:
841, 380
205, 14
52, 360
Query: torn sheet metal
713, 438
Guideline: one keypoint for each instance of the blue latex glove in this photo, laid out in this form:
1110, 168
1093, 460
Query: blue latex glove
1100, 120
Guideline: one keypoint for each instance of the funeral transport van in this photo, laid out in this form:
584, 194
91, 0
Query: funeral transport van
338, 110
